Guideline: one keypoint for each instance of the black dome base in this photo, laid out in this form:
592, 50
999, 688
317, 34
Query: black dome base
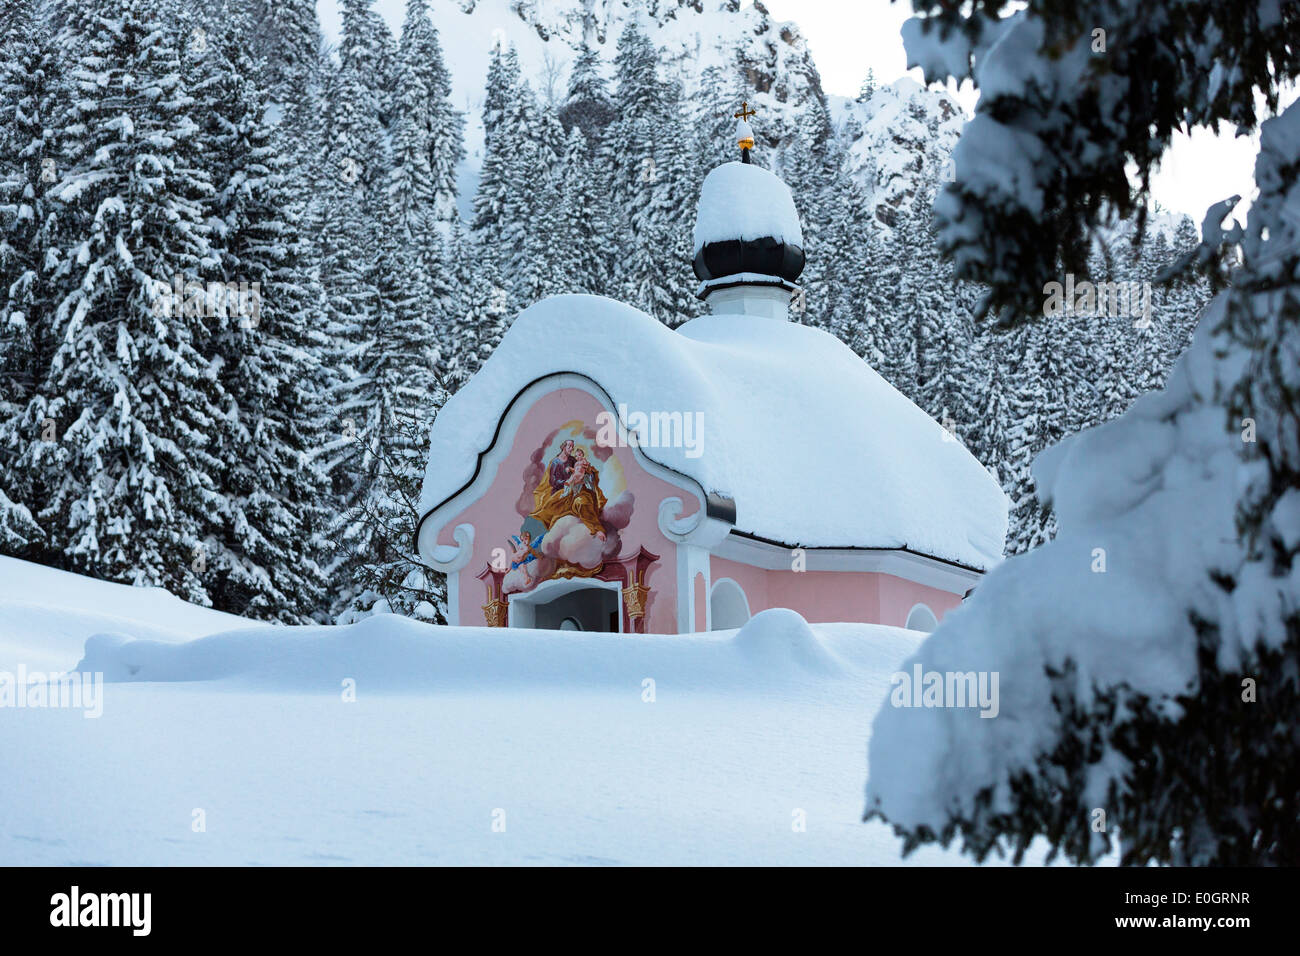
766, 256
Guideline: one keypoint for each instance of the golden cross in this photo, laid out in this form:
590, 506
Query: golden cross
745, 112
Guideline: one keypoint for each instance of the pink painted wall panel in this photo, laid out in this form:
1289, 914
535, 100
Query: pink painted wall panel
827, 596
496, 515
898, 596
834, 596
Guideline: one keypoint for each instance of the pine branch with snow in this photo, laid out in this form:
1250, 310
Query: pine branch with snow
1148, 654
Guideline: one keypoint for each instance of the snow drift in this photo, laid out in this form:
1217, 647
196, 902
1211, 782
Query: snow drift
46, 614
557, 731
394, 654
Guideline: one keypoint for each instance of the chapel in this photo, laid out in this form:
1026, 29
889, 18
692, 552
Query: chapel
603, 472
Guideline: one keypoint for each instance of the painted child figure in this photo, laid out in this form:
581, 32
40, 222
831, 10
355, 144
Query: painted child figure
523, 554
584, 487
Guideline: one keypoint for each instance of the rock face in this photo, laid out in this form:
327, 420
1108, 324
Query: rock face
697, 38
717, 49
900, 138
694, 35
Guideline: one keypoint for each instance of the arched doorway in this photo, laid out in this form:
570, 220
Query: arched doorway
728, 606
574, 604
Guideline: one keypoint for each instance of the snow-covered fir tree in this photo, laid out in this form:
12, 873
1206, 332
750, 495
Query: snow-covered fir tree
31, 84
587, 104
274, 496
481, 317
290, 49
502, 92
131, 472
422, 110
588, 230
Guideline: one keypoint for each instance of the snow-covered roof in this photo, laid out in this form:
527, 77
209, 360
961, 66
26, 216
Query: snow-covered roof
814, 447
744, 201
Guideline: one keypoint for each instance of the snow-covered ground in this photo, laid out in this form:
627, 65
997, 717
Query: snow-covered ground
452, 730
46, 615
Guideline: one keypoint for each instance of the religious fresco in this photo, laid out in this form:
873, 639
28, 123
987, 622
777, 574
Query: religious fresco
573, 506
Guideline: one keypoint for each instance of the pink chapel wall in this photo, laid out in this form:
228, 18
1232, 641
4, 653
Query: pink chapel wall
820, 596
497, 514
834, 596
898, 596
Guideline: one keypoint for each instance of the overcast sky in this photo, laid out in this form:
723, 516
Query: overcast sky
849, 36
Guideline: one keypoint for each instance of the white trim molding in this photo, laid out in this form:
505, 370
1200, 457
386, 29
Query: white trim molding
450, 558
691, 560
696, 528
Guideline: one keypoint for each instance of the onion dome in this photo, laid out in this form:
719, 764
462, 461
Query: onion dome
747, 229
